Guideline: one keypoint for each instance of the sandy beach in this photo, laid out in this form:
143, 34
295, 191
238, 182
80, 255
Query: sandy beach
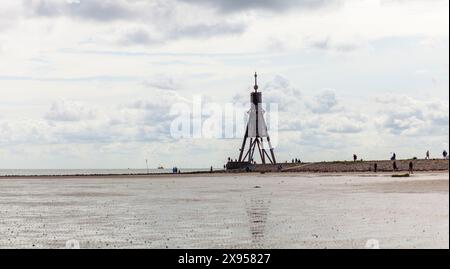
285, 210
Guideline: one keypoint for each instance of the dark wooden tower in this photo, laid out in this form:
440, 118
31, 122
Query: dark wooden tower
256, 132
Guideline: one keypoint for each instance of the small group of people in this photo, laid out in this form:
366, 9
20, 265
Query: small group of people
231, 160
393, 157
410, 166
444, 154
175, 170
296, 160
395, 167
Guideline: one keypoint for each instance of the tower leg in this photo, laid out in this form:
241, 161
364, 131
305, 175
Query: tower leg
250, 152
261, 154
271, 150
263, 151
253, 148
243, 145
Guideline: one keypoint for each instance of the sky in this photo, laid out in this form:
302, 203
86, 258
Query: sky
92, 84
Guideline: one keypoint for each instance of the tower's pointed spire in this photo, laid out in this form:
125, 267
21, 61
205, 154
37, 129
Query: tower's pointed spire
256, 83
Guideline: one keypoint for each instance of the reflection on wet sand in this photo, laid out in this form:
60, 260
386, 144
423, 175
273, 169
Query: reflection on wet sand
257, 211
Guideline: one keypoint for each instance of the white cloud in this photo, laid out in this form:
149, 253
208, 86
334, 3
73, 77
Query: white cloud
403, 115
298, 112
324, 102
69, 111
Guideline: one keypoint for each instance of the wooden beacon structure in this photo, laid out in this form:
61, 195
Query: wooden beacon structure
256, 132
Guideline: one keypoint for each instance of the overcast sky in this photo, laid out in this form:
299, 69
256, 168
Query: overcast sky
89, 84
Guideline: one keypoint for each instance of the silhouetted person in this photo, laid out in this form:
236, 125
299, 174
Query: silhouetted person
427, 155
444, 153
211, 169
411, 167
375, 167
292, 160
355, 157
393, 157
394, 166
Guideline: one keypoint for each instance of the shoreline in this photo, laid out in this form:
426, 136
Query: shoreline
220, 174
331, 167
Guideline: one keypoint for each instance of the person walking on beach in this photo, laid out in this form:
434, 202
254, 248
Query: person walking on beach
393, 157
375, 167
444, 153
411, 167
355, 157
394, 166
427, 155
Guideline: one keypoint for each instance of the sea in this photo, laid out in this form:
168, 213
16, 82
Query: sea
58, 172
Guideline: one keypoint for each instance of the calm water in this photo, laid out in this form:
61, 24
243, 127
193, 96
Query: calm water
53, 172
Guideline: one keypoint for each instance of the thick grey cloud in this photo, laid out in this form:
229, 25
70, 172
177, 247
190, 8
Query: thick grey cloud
157, 21
138, 37
207, 30
106, 10
239, 5
143, 36
109, 10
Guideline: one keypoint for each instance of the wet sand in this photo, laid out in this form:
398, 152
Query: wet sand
286, 210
